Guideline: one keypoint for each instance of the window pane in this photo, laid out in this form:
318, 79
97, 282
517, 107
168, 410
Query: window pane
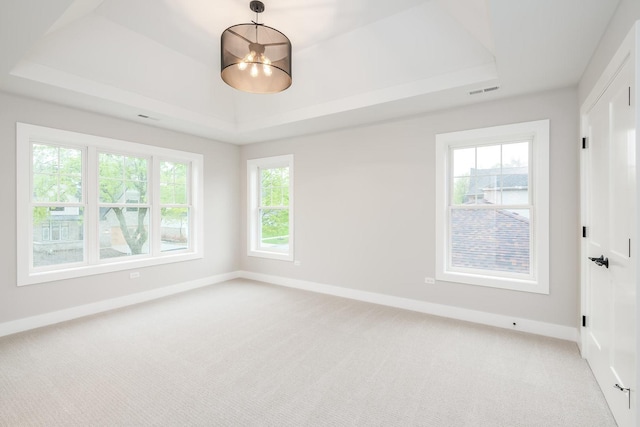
515, 155
464, 159
111, 166
111, 190
45, 188
274, 187
173, 183
136, 178
488, 158
174, 229
50, 246
515, 189
57, 174
498, 174
123, 232
122, 179
474, 193
70, 161
489, 189
488, 239
274, 225
461, 193
45, 159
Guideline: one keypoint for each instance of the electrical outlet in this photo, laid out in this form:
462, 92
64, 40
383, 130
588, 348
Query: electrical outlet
134, 275
429, 280
297, 263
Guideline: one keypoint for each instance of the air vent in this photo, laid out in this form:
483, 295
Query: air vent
144, 116
485, 90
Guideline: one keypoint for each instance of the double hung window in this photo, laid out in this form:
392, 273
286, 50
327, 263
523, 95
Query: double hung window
89, 205
492, 206
270, 207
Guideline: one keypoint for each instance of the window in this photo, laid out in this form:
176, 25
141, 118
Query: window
270, 207
492, 218
89, 205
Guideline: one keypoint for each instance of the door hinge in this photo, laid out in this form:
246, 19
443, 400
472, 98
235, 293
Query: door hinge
584, 143
584, 321
584, 231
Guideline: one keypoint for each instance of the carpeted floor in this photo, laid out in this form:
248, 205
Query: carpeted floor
244, 353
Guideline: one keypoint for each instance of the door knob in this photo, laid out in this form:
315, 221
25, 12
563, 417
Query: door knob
601, 261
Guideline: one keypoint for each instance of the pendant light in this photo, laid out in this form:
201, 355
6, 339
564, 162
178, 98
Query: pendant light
255, 58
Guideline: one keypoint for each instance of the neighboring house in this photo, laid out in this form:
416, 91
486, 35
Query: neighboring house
490, 239
60, 236
489, 184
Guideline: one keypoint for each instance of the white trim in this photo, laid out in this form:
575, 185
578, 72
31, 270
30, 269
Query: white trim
537, 132
498, 320
28, 323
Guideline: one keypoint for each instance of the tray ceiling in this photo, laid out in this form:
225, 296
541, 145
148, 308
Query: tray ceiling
354, 62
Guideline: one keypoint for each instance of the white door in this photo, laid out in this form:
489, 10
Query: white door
611, 210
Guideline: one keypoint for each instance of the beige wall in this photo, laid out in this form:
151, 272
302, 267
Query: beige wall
365, 216
221, 225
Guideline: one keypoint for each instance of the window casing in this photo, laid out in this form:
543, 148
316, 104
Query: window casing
90, 205
492, 207
270, 207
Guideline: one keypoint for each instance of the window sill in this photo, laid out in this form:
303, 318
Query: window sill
271, 255
513, 284
90, 270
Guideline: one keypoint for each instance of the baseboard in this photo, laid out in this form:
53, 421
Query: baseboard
484, 318
54, 317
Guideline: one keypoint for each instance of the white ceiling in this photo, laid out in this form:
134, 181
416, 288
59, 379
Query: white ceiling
354, 62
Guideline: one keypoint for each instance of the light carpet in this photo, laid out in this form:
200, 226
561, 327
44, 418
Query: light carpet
244, 353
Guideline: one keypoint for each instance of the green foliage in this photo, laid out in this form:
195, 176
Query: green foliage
175, 216
57, 179
123, 179
173, 183
40, 215
274, 185
274, 199
460, 189
57, 174
275, 226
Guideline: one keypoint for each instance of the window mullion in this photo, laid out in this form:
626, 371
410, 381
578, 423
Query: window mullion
153, 198
92, 215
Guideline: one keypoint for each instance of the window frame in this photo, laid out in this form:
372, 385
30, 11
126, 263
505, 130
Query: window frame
537, 133
91, 146
254, 247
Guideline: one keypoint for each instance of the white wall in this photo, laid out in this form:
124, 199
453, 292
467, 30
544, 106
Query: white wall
627, 13
221, 227
365, 217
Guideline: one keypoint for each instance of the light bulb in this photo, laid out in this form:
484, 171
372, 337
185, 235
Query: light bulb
254, 71
267, 70
242, 65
